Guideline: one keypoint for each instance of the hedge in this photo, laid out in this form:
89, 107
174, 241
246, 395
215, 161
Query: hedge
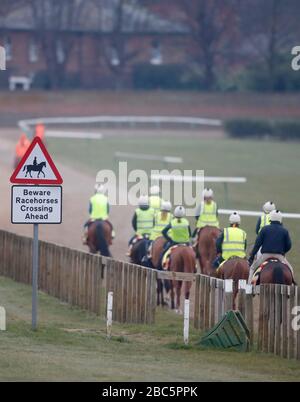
246, 128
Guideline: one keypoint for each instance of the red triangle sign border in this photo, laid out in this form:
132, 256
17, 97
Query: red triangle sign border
34, 142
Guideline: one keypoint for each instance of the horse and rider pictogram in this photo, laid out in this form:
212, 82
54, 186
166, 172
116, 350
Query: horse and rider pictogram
35, 167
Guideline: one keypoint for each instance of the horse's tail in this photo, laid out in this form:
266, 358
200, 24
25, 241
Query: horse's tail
24, 167
278, 275
101, 243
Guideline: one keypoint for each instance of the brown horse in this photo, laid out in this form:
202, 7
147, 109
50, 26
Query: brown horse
235, 268
156, 253
206, 248
100, 237
276, 272
183, 259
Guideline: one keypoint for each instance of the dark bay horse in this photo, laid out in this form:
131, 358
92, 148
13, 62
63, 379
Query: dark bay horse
156, 253
139, 251
235, 268
100, 237
206, 248
276, 272
183, 259
34, 168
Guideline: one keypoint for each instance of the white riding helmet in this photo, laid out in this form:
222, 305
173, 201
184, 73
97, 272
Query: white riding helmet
269, 206
154, 190
207, 193
166, 206
99, 188
275, 216
143, 201
179, 212
235, 218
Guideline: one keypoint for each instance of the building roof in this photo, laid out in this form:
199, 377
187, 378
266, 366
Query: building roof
95, 18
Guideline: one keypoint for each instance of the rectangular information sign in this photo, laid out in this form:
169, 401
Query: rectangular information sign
36, 204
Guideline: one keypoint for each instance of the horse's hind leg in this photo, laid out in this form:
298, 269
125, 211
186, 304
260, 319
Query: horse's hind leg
178, 293
172, 295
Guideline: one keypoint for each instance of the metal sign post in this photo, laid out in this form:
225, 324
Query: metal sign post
35, 273
32, 203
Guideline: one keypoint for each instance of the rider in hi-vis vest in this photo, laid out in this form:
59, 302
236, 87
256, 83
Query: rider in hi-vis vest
161, 220
155, 200
142, 221
264, 219
207, 212
98, 208
232, 242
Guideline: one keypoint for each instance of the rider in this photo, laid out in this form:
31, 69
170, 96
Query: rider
34, 161
264, 219
161, 220
207, 212
98, 208
155, 200
232, 242
142, 221
178, 231
274, 241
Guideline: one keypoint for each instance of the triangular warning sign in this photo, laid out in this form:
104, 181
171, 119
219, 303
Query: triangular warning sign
36, 166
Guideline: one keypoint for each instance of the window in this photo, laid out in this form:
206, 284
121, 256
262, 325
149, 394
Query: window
114, 58
60, 53
33, 51
8, 48
156, 55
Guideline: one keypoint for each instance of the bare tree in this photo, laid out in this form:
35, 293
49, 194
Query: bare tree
54, 21
212, 26
270, 29
116, 22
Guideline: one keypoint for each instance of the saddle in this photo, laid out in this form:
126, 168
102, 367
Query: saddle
256, 276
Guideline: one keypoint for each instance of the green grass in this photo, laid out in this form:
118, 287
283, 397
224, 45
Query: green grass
272, 170
71, 345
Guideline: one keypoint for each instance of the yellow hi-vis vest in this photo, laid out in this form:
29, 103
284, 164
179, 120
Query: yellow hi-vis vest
179, 231
208, 215
155, 202
144, 222
160, 224
99, 204
234, 243
264, 221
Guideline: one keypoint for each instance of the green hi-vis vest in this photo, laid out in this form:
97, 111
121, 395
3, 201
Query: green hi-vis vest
144, 222
233, 243
179, 231
160, 224
208, 215
264, 221
99, 204
155, 202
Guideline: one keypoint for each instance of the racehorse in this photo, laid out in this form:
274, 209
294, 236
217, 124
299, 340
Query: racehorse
156, 253
206, 248
100, 237
139, 251
235, 268
35, 168
276, 272
182, 259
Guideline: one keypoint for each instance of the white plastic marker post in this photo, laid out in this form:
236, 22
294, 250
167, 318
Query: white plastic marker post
242, 284
2, 319
186, 326
228, 294
109, 314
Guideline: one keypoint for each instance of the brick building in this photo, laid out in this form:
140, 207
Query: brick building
93, 50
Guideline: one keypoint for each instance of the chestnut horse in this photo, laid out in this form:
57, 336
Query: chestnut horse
276, 272
235, 268
206, 248
182, 259
156, 253
100, 237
